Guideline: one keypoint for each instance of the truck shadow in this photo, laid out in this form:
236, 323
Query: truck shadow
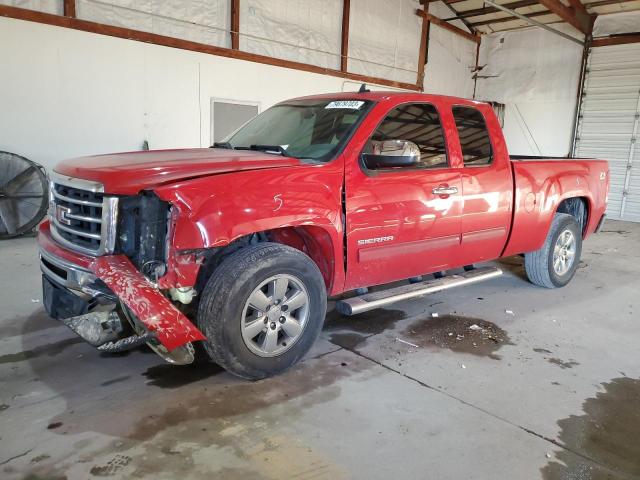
514, 266
136, 396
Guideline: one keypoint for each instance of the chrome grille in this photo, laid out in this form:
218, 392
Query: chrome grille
82, 217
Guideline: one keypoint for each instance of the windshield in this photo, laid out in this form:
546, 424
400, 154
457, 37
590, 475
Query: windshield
312, 129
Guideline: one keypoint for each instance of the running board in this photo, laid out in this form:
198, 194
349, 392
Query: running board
369, 301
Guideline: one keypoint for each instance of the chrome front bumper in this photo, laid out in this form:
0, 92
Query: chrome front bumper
73, 277
83, 303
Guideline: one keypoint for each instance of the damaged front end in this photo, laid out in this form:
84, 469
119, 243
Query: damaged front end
105, 261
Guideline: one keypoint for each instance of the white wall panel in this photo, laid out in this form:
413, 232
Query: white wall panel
451, 59
68, 93
384, 38
616, 23
535, 74
46, 6
203, 21
304, 31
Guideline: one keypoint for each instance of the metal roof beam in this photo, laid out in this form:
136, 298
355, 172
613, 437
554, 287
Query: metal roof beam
491, 21
476, 12
534, 22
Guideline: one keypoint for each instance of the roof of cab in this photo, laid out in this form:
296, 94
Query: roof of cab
389, 95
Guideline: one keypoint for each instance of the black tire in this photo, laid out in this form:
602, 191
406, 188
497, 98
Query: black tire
223, 299
539, 264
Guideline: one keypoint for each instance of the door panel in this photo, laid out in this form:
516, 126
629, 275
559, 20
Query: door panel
487, 187
397, 226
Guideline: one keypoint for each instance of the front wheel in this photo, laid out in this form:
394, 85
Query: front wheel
555, 264
262, 310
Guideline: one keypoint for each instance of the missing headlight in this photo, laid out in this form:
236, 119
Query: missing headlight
142, 232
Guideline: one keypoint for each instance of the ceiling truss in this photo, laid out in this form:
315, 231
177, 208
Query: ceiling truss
579, 14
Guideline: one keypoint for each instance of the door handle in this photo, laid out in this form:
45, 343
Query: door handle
443, 190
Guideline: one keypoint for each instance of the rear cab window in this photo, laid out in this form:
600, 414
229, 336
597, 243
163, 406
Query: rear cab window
475, 141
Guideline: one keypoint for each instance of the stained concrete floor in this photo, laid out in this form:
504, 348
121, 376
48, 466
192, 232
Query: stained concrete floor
508, 381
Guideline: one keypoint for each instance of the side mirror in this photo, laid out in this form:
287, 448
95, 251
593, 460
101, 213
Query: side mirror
392, 154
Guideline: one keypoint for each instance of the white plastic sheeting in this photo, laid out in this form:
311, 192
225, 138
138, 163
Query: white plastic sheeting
47, 6
623, 22
304, 31
203, 21
535, 74
451, 59
384, 35
111, 94
384, 39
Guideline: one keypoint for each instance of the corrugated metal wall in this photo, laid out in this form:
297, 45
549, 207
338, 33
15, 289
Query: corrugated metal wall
609, 123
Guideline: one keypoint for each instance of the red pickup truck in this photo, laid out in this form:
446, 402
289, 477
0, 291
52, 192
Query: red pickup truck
229, 253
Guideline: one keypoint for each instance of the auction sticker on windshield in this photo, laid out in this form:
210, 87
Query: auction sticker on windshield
352, 104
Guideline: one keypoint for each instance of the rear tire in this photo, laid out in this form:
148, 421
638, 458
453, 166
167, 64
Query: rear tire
555, 264
262, 309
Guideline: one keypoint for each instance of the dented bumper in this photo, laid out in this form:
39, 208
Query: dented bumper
100, 280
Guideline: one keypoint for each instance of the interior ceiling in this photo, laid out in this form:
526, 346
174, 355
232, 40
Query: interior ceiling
484, 18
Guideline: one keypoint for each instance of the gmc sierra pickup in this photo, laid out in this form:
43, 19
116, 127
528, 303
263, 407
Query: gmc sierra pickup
229, 253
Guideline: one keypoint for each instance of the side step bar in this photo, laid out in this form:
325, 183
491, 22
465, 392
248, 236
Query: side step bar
369, 301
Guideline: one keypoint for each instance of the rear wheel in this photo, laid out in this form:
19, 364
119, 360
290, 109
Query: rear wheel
555, 264
262, 310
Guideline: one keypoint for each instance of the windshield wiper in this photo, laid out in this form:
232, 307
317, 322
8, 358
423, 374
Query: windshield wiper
222, 145
267, 149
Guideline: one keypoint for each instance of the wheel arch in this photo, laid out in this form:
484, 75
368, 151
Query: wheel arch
314, 241
579, 208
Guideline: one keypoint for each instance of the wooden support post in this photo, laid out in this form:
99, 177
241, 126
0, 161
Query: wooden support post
69, 8
578, 20
424, 47
235, 24
448, 26
616, 40
476, 71
344, 50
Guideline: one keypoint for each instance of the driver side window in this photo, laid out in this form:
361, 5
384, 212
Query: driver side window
418, 123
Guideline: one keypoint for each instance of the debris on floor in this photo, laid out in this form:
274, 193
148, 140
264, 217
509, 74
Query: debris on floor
458, 333
406, 343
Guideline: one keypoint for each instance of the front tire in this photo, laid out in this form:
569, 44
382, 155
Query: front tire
262, 310
555, 264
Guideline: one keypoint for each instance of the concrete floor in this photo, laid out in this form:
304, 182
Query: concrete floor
545, 385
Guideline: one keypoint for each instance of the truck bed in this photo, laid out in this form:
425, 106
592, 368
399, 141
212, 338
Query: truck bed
541, 184
519, 158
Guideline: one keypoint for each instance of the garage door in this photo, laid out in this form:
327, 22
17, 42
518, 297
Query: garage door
608, 126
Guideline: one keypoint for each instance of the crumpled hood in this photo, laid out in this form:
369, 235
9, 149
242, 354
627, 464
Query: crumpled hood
129, 173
